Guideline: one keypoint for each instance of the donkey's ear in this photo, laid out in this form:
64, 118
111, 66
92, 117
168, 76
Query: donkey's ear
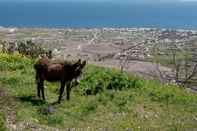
83, 63
79, 61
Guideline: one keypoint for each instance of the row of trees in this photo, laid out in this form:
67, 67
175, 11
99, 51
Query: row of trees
182, 59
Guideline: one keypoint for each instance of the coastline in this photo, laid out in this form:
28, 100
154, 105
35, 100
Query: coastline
100, 28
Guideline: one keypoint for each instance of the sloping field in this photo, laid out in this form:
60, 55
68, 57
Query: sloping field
105, 99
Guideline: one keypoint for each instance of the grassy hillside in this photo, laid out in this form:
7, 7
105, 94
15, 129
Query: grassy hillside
105, 99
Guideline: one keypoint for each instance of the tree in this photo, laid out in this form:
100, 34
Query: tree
181, 58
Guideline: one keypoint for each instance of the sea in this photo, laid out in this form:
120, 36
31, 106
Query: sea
98, 15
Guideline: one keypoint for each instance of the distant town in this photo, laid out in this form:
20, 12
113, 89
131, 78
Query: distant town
107, 46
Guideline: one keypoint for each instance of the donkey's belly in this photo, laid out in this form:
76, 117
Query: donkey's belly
52, 79
53, 76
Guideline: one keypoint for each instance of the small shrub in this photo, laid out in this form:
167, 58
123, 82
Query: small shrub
14, 62
27, 48
119, 82
137, 83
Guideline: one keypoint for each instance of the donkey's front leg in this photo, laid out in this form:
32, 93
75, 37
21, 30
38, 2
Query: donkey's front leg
39, 87
38, 84
42, 89
61, 90
68, 88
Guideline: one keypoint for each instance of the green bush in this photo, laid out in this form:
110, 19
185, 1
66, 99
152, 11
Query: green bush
27, 48
98, 79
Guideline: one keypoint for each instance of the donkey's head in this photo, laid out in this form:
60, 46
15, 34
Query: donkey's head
78, 67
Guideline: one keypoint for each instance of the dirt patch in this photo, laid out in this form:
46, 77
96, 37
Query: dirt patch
3, 93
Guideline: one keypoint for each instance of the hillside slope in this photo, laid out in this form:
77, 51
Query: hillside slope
106, 99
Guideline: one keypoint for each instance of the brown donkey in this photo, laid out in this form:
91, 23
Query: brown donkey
51, 71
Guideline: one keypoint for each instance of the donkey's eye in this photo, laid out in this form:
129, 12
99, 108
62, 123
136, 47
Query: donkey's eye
77, 69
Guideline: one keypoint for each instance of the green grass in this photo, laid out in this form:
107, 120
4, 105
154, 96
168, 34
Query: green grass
104, 99
2, 122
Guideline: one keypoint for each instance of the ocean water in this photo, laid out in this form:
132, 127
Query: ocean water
91, 14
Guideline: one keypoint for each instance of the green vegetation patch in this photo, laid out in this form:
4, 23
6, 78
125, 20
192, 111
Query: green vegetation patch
2, 122
99, 79
104, 99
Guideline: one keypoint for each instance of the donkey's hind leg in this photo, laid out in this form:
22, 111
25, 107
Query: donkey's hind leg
38, 89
